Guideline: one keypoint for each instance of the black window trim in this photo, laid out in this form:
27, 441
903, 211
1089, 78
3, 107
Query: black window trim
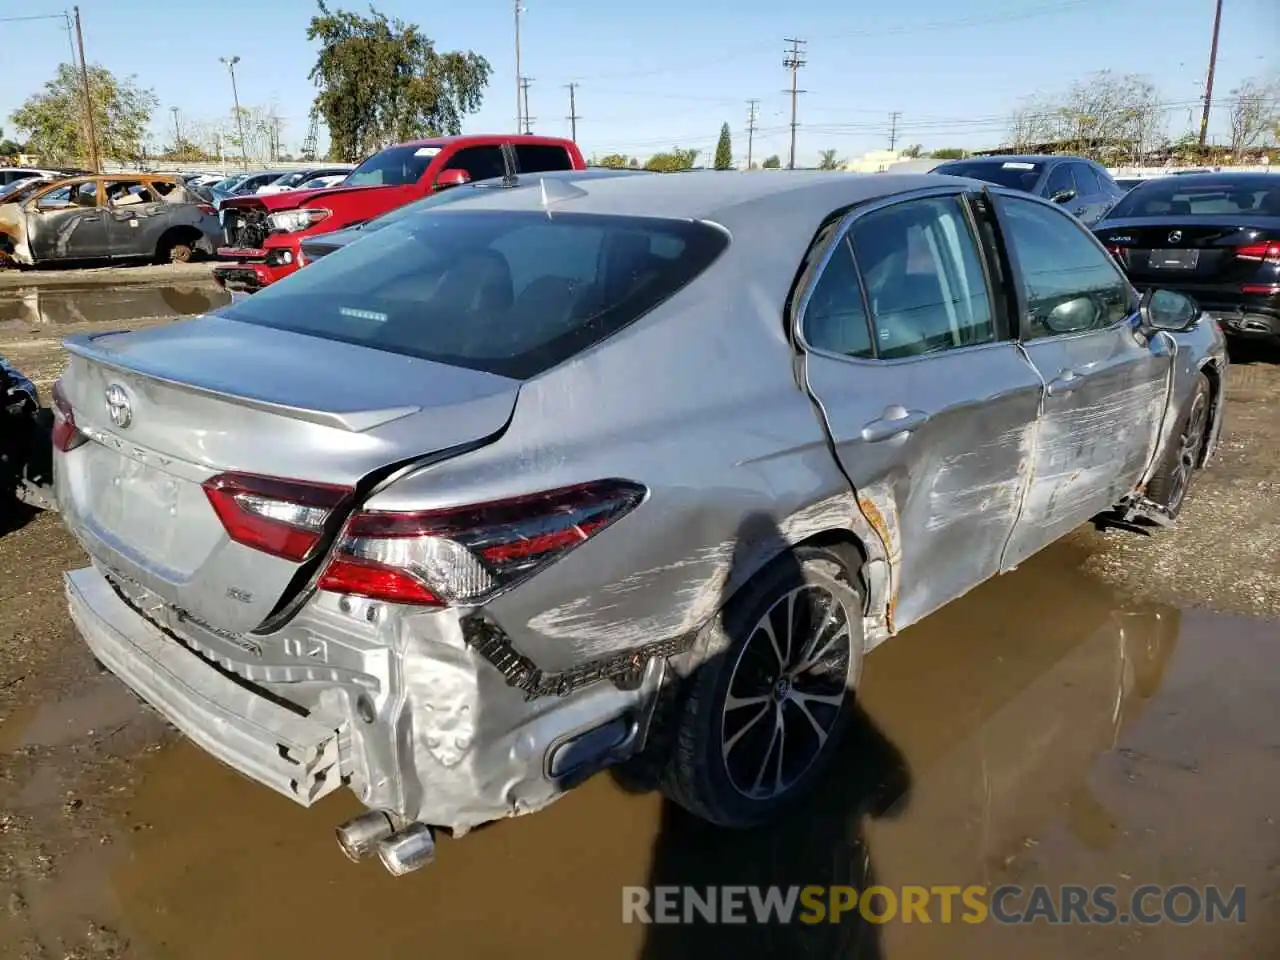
1022, 335
810, 278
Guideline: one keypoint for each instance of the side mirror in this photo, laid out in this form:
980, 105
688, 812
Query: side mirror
1168, 310
1063, 196
452, 178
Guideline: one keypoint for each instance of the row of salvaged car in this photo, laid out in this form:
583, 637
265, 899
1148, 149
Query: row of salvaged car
551, 473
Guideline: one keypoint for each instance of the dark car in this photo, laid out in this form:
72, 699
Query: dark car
1214, 236
24, 443
1082, 186
316, 247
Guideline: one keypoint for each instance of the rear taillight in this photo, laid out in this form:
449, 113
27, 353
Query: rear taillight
66, 435
466, 555
1117, 252
284, 518
206, 209
1260, 252
1265, 289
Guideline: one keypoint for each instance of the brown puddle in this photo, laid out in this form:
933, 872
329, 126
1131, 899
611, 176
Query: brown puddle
60, 305
1037, 731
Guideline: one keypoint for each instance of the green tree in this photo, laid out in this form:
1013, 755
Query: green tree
382, 81
675, 159
8, 148
949, 153
827, 160
771, 162
912, 152
617, 161
53, 118
724, 150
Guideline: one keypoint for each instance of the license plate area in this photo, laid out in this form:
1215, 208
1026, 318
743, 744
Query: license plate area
1173, 259
163, 518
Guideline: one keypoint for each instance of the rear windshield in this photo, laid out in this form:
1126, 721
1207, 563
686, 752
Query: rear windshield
394, 166
1017, 174
506, 292
1174, 196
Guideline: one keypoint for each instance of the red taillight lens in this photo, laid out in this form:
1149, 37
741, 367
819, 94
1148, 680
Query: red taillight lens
466, 555
284, 518
1115, 251
1265, 289
1261, 252
206, 208
66, 436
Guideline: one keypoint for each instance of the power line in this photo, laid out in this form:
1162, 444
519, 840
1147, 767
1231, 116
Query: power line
573, 113
793, 62
751, 128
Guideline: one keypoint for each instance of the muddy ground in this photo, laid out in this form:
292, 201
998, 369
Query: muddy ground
1105, 714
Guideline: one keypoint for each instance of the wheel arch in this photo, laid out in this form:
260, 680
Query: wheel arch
181, 233
1213, 371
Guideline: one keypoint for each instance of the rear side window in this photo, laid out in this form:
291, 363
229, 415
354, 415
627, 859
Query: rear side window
835, 319
539, 158
480, 163
1086, 180
506, 292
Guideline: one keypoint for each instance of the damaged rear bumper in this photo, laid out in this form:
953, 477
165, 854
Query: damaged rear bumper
417, 723
292, 754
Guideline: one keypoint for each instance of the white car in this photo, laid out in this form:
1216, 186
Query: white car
299, 179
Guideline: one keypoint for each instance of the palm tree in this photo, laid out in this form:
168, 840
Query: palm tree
827, 160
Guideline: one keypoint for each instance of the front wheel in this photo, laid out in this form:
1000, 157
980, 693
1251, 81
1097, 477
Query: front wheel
765, 711
1169, 484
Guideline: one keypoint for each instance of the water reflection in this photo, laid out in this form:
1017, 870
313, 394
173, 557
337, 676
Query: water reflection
37, 306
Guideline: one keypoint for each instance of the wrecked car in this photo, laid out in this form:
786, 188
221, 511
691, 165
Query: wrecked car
24, 443
518, 489
110, 217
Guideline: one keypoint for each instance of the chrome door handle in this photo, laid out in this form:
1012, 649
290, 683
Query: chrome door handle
1066, 382
897, 421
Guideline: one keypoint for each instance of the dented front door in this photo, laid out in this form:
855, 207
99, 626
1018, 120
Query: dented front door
929, 407
1105, 383
70, 227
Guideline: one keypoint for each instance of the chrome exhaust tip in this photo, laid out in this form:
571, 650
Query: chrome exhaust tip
409, 850
359, 836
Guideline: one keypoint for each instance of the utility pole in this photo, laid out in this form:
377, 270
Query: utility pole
71, 36
88, 98
177, 131
522, 99
524, 91
573, 113
275, 142
793, 62
235, 98
1208, 80
893, 129
751, 128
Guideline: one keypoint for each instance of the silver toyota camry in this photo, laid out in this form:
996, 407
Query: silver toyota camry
628, 472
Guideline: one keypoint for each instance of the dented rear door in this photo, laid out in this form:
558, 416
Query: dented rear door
1106, 386
932, 433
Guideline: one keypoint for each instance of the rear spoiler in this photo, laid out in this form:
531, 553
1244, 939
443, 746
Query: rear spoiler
355, 421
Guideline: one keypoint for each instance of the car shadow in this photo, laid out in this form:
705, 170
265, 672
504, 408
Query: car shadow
1247, 351
820, 842
26, 469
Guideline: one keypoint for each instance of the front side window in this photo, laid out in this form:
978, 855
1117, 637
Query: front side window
480, 163
923, 277
1060, 179
506, 292
1070, 284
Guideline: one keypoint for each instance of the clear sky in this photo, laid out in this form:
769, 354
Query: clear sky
665, 72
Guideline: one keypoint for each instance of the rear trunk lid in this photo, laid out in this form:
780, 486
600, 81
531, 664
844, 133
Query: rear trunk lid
1187, 250
210, 396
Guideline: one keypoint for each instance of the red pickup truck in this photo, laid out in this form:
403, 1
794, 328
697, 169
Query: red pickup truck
264, 231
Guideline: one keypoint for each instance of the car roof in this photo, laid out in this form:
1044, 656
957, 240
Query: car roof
513, 138
1019, 157
1239, 177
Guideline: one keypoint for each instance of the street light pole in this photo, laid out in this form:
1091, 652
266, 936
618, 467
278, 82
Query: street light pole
235, 97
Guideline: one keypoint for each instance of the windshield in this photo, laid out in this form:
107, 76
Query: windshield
1174, 196
1016, 174
395, 166
505, 292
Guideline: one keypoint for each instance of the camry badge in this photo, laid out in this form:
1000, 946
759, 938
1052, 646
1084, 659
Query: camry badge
118, 406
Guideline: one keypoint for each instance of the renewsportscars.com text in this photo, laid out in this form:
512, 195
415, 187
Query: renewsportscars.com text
1007, 904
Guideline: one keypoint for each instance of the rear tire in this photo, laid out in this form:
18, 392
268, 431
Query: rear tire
1168, 486
176, 248
761, 717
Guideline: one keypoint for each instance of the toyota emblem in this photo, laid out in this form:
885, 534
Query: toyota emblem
1175, 237
118, 406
